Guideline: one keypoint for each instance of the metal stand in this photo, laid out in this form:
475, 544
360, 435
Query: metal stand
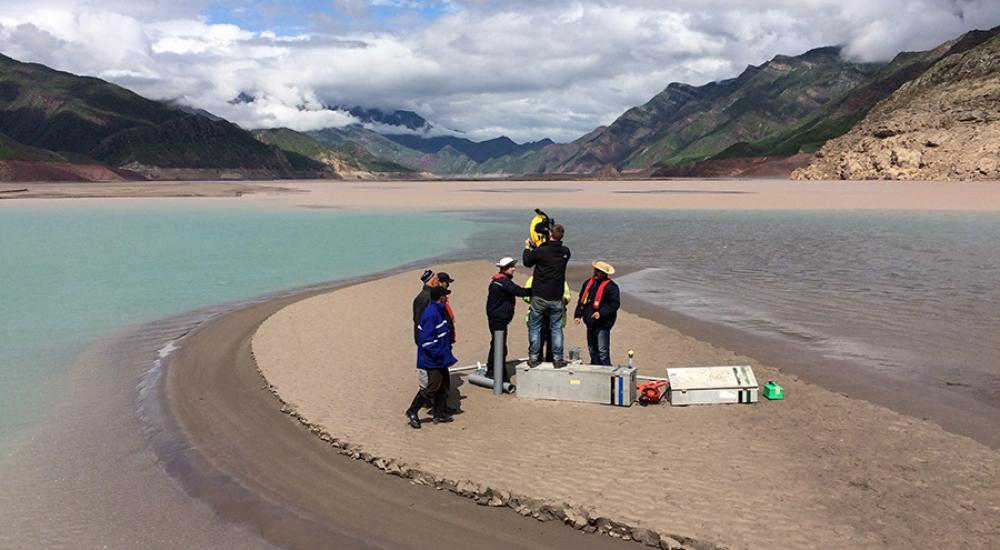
498, 365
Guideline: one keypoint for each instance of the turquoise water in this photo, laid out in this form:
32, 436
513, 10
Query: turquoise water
73, 271
911, 295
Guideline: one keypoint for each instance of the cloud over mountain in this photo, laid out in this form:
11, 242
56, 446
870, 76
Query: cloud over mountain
526, 69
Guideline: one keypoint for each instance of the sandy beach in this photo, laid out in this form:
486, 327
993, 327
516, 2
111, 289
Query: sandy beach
720, 194
816, 470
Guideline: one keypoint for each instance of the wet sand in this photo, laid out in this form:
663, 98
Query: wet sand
816, 470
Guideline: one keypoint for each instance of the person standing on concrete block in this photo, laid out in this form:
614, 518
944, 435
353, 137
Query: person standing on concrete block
500, 300
597, 307
549, 260
546, 332
434, 356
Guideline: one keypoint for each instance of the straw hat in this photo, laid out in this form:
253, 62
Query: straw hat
604, 266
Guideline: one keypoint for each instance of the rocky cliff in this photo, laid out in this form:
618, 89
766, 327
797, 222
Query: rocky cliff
943, 125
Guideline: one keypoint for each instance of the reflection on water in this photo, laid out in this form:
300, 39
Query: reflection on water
910, 294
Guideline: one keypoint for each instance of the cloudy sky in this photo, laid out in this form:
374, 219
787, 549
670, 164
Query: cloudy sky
527, 69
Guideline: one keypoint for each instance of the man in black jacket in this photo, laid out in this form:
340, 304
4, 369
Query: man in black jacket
500, 301
423, 299
420, 303
598, 308
549, 261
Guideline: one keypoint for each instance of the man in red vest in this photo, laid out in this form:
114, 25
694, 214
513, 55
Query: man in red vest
598, 308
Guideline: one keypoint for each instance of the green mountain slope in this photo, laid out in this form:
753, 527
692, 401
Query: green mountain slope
445, 161
85, 117
12, 150
342, 156
692, 122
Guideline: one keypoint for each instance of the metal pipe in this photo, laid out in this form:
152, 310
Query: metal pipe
478, 365
651, 378
484, 381
498, 362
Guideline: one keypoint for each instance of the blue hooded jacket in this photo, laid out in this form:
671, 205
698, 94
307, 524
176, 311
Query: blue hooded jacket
434, 339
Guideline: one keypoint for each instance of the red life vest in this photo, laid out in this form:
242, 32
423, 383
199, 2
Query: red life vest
451, 317
598, 296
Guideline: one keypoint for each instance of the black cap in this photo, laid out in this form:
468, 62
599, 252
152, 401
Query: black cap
426, 275
445, 278
439, 291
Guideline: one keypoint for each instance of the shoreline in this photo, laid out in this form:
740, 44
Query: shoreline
954, 413
621, 194
855, 420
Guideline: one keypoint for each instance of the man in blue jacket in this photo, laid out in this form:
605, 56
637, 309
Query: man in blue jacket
598, 308
433, 356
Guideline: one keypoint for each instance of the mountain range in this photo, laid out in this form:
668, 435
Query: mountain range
59, 126
769, 120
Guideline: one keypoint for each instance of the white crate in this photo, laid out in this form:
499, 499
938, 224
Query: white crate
577, 382
711, 385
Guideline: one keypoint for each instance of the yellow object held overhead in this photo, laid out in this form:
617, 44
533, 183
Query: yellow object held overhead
538, 231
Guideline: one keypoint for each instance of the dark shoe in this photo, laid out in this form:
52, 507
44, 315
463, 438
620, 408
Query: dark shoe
558, 364
532, 363
443, 419
414, 420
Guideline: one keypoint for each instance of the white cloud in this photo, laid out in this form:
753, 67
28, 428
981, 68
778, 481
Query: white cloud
527, 69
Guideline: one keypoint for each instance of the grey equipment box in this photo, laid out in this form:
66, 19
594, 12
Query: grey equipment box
710, 385
577, 382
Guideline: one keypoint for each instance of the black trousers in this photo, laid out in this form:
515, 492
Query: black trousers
435, 394
489, 359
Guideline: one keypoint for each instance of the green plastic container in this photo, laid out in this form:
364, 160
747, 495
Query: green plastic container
773, 391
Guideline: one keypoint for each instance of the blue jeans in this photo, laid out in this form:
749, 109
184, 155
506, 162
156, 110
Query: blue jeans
599, 342
555, 310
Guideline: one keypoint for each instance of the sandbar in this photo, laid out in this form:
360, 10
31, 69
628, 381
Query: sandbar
818, 469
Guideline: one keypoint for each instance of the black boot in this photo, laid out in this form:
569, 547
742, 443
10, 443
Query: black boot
411, 414
440, 410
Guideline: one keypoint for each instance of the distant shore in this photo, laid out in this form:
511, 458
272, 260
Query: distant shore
710, 194
135, 189
819, 469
